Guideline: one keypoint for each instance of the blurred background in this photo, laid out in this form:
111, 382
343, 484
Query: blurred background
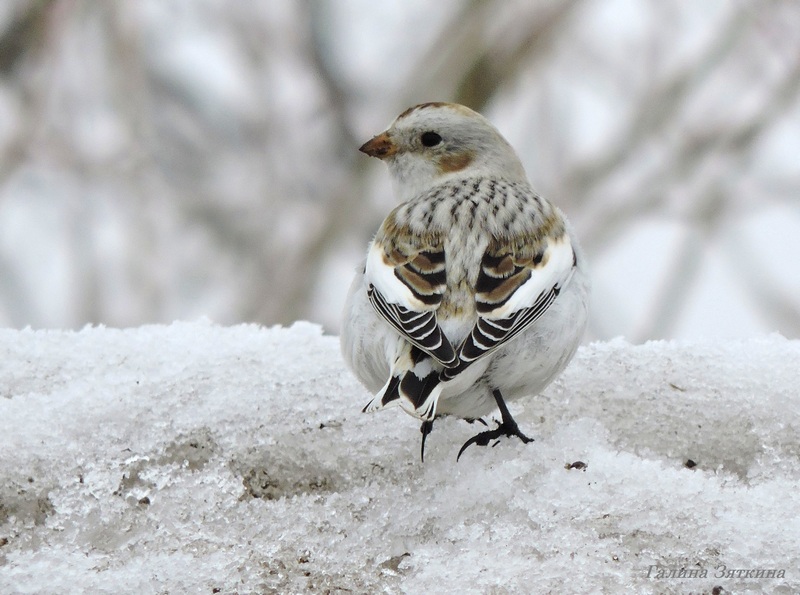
173, 159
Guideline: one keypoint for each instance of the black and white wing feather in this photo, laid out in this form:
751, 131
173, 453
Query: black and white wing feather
517, 282
405, 286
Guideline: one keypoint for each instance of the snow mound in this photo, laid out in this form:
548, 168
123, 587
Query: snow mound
196, 458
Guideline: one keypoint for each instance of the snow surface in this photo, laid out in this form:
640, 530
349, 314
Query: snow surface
194, 458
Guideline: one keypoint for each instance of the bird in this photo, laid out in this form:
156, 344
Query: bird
474, 291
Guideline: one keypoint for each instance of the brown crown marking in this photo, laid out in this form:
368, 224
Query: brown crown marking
454, 106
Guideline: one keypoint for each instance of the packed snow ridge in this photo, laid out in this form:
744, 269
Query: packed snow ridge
194, 458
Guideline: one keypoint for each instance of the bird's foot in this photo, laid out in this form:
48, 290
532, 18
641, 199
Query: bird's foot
472, 420
502, 429
506, 427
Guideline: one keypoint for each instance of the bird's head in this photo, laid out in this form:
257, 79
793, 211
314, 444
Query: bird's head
431, 143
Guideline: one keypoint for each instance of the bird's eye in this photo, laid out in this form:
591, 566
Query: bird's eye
430, 139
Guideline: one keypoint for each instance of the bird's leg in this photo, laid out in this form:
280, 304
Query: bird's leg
507, 427
426, 428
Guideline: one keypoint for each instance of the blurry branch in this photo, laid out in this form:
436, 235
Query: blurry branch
497, 65
770, 300
775, 305
657, 108
440, 70
469, 68
15, 304
730, 142
131, 95
674, 291
783, 98
710, 208
239, 196
339, 204
23, 41
23, 35
337, 98
665, 102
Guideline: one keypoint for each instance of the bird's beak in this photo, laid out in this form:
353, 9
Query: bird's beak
380, 146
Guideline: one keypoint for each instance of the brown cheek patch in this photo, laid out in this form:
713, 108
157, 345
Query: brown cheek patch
455, 162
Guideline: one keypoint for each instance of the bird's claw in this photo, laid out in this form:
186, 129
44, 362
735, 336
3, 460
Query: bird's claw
426, 428
484, 438
506, 427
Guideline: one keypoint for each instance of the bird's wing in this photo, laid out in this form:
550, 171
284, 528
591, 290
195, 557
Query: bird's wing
405, 284
519, 279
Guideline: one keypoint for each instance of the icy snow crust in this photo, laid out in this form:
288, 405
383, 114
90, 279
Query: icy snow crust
194, 458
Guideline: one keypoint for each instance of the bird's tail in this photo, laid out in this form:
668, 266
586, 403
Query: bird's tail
416, 391
386, 397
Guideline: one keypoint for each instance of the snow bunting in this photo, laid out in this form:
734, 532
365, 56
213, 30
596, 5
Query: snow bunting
474, 291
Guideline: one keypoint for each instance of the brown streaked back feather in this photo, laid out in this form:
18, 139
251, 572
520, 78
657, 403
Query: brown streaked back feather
504, 269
